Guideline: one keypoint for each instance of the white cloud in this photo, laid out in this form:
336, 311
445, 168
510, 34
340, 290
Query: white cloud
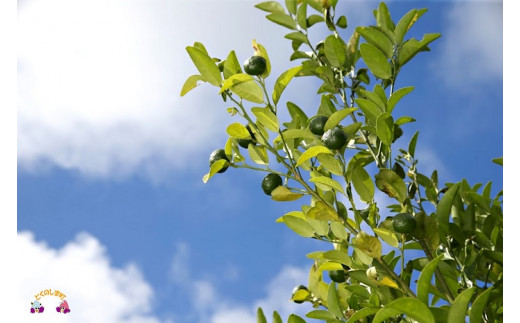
214, 306
95, 291
472, 45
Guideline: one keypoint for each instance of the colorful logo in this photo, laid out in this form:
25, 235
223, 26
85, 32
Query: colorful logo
37, 305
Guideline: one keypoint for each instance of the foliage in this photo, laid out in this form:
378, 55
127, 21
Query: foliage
458, 227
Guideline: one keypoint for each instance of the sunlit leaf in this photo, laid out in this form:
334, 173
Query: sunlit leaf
282, 193
369, 245
191, 83
459, 307
376, 61
282, 82
313, 152
205, 65
411, 307
270, 6
390, 183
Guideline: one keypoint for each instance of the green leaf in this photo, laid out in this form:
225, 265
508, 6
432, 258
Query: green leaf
301, 16
385, 128
245, 87
291, 6
423, 284
338, 230
369, 245
499, 161
477, 308
337, 256
296, 35
191, 83
374, 97
277, 318
333, 302
383, 17
299, 226
327, 182
231, 65
342, 22
321, 211
312, 152
215, 167
444, 209
258, 154
282, 82
363, 184
270, 6
396, 96
406, 23
376, 61
260, 317
236, 130
403, 120
413, 142
205, 65
266, 118
411, 307
335, 51
293, 318
299, 118
387, 236
261, 51
391, 184
337, 117
314, 19
412, 46
459, 307
331, 164
282, 20
362, 313
378, 39
283, 194
321, 315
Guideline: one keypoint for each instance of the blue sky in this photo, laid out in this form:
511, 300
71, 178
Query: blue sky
110, 158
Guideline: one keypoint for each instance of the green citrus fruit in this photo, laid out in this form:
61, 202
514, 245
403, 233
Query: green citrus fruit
317, 124
338, 276
404, 223
218, 154
334, 138
270, 182
255, 65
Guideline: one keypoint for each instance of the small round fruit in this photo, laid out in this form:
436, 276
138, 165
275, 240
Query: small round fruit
317, 124
216, 155
338, 276
255, 65
404, 223
334, 138
270, 182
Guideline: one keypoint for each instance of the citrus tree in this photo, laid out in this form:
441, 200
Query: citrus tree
337, 158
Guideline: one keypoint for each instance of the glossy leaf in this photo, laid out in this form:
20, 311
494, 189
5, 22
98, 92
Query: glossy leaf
328, 182
423, 284
369, 245
459, 307
301, 15
383, 17
261, 51
215, 167
337, 256
370, 110
321, 211
335, 51
293, 318
231, 65
331, 164
397, 96
282, 20
333, 302
283, 194
444, 209
282, 81
413, 142
412, 47
387, 236
205, 65
478, 306
362, 313
406, 22
391, 184
376, 61
291, 6
260, 317
299, 226
363, 184
338, 230
245, 87
191, 83
337, 117
378, 39
258, 154
266, 118
313, 152
411, 307
270, 6
321, 315
385, 128
236, 130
